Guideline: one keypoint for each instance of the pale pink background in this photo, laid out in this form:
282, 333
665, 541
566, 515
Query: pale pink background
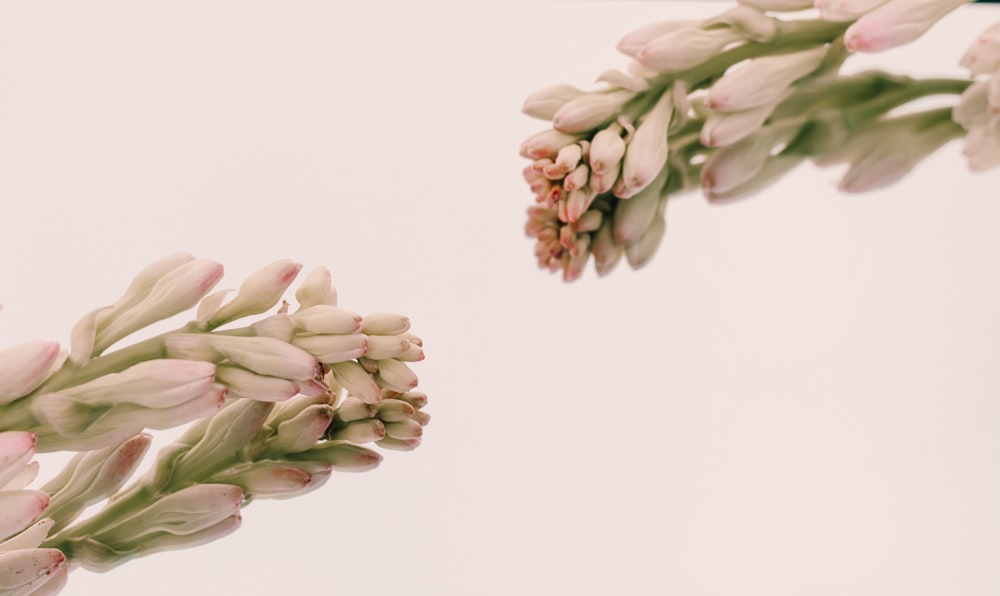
798, 395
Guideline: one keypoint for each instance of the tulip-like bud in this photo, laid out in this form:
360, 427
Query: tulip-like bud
353, 377
590, 111
685, 48
892, 158
93, 476
731, 166
259, 292
333, 348
262, 355
775, 167
404, 429
342, 456
243, 383
544, 103
16, 450
24, 367
362, 431
639, 253
158, 383
177, 291
646, 154
394, 410
725, 128
895, 23
637, 39
267, 479
18, 509
395, 375
323, 318
352, 408
846, 10
633, 216
762, 81
983, 56
300, 432
607, 149
547, 143
381, 347
629, 82
29, 571
385, 324
316, 289
778, 5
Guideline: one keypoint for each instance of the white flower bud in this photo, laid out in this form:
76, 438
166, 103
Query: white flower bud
323, 318
302, 431
547, 143
762, 81
983, 56
244, 383
262, 355
351, 408
725, 128
544, 103
16, 450
153, 383
27, 571
735, 164
646, 154
316, 289
633, 216
395, 375
343, 456
404, 429
333, 348
778, 5
607, 149
18, 509
394, 410
895, 156
775, 167
639, 253
226, 433
399, 444
685, 48
590, 111
638, 38
24, 367
31, 537
751, 22
184, 512
606, 252
356, 381
362, 431
617, 78
381, 347
267, 479
210, 305
384, 324
259, 292
895, 23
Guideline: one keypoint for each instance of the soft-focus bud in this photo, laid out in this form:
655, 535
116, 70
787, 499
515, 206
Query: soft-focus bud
606, 251
16, 449
184, 512
775, 167
279, 326
384, 324
632, 217
395, 375
244, 383
356, 381
778, 5
845, 10
547, 143
262, 355
343, 456
158, 383
544, 103
259, 292
26, 571
646, 154
725, 128
607, 149
302, 431
982, 146
892, 158
175, 292
24, 367
18, 509
324, 318
316, 289
983, 56
751, 22
362, 431
267, 479
762, 81
685, 48
638, 38
394, 410
895, 23
972, 108
590, 111
640, 253
731, 166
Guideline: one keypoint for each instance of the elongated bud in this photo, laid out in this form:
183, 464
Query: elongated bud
259, 292
26, 571
226, 433
385, 324
544, 103
726, 128
362, 431
31, 537
778, 5
633, 216
404, 429
731, 166
895, 23
18, 509
323, 318
279, 326
845, 10
983, 56
356, 381
637, 39
762, 80
606, 251
244, 383
399, 444
607, 149
395, 375
774, 168
749, 21
16, 450
144, 282
333, 348
646, 154
343, 456
267, 479
316, 289
894, 157
640, 253
617, 78
685, 48
302, 431
161, 383
547, 143
394, 410
417, 399
173, 293
262, 355
351, 408
590, 111
24, 367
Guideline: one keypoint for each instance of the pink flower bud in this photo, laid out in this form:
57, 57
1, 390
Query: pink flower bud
333, 348
404, 429
544, 103
153, 383
633, 216
351, 408
640, 253
685, 48
646, 154
395, 375
606, 251
546, 143
356, 381
262, 355
24, 367
267, 479
617, 78
16, 450
27, 571
301, 432
607, 149
316, 289
18, 509
895, 23
638, 38
384, 324
362, 431
343, 456
324, 318
590, 111
762, 81
259, 292
983, 56
394, 410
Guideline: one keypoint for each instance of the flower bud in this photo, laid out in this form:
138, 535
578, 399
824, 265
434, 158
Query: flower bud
417, 399
394, 410
175, 292
421, 418
982, 145
544, 103
404, 429
244, 383
590, 111
983, 56
774, 168
547, 143
19, 508
259, 292
323, 318
184, 512
226, 433
30, 537
639, 253
381, 347
343, 456
384, 324
266, 479
762, 81
894, 157
607, 149
395, 375
333, 348
725, 128
356, 381
606, 251
778, 5
362, 431
845, 10
302, 431
351, 408
751, 22
399, 444
158, 383
316, 289
24, 367
735, 164
685, 48
646, 154
638, 38
895, 23
26, 571
262, 355
279, 326
16, 450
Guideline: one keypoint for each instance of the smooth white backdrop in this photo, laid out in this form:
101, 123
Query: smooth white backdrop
797, 396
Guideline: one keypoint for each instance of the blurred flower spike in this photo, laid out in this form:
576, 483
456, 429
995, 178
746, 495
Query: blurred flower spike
730, 104
274, 406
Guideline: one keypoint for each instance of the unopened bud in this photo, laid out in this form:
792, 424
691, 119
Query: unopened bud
544, 103
343, 456
639, 253
637, 39
384, 324
160, 383
895, 23
316, 289
983, 56
323, 318
778, 5
27, 571
547, 143
356, 381
646, 154
18, 509
590, 111
762, 81
685, 48
302, 431
633, 216
16, 449
263, 355
243, 383
362, 431
24, 367
395, 375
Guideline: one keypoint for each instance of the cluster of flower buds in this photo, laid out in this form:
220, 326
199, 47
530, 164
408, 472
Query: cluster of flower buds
978, 110
25, 566
733, 102
278, 405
